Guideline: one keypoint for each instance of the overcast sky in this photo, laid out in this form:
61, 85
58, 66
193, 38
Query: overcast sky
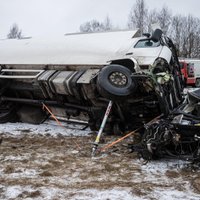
39, 17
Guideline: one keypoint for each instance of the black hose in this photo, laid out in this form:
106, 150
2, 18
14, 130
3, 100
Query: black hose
186, 114
39, 102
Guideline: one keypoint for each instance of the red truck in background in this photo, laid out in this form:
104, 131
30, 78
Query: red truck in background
187, 69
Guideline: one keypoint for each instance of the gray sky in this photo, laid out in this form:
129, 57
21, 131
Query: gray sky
41, 17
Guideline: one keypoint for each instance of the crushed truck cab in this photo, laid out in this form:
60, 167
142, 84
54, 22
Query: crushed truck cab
77, 74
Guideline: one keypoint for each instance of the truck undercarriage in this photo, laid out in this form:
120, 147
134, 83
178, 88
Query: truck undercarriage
138, 97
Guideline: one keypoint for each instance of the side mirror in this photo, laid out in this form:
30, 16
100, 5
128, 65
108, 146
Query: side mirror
156, 35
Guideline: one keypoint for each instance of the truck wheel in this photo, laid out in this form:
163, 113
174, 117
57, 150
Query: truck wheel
8, 113
115, 83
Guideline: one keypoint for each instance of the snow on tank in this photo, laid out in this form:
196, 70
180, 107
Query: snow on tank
69, 49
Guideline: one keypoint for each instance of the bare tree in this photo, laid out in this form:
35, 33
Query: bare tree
176, 30
152, 19
192, 35
164, 18
138, 16
86, 27
96, 26
185, 31
92, 26
15, 32
107, 24
196, 52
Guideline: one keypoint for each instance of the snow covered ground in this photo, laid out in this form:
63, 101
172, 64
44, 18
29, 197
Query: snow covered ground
43, 162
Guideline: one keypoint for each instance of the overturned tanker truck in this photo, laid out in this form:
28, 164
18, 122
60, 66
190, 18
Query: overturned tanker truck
77, 74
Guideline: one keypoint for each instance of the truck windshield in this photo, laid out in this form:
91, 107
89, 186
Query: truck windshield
147, 43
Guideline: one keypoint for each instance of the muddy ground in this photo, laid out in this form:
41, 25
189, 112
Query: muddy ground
45, 166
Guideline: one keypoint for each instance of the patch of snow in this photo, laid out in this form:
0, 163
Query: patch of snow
154, 172
12, 192
161, 166
167, 194
51, 193
42, 129
90, 194
74, 152
117, 194
14, 158
24, 173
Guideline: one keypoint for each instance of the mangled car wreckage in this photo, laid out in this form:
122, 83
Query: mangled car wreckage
78, 74
176, 135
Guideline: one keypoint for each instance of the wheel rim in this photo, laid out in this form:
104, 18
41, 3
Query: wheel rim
118, 79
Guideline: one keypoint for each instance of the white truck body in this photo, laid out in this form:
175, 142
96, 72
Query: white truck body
80, 49
71, 49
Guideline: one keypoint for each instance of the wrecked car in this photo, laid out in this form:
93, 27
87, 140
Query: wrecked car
77, 74
176, 135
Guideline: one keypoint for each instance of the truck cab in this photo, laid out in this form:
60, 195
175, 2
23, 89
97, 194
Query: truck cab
187, 69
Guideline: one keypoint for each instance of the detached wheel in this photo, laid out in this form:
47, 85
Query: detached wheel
115, 83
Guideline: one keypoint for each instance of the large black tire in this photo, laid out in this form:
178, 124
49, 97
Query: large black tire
8, 113
114, 82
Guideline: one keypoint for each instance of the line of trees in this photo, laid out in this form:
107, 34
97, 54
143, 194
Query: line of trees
183, 30
14, 32
95, 26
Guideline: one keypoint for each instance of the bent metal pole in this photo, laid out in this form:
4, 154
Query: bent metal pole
95, 145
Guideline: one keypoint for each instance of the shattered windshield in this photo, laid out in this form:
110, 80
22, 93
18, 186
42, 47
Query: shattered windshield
147, 44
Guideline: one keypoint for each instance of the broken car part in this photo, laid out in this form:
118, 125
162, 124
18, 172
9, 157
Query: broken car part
174, 136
